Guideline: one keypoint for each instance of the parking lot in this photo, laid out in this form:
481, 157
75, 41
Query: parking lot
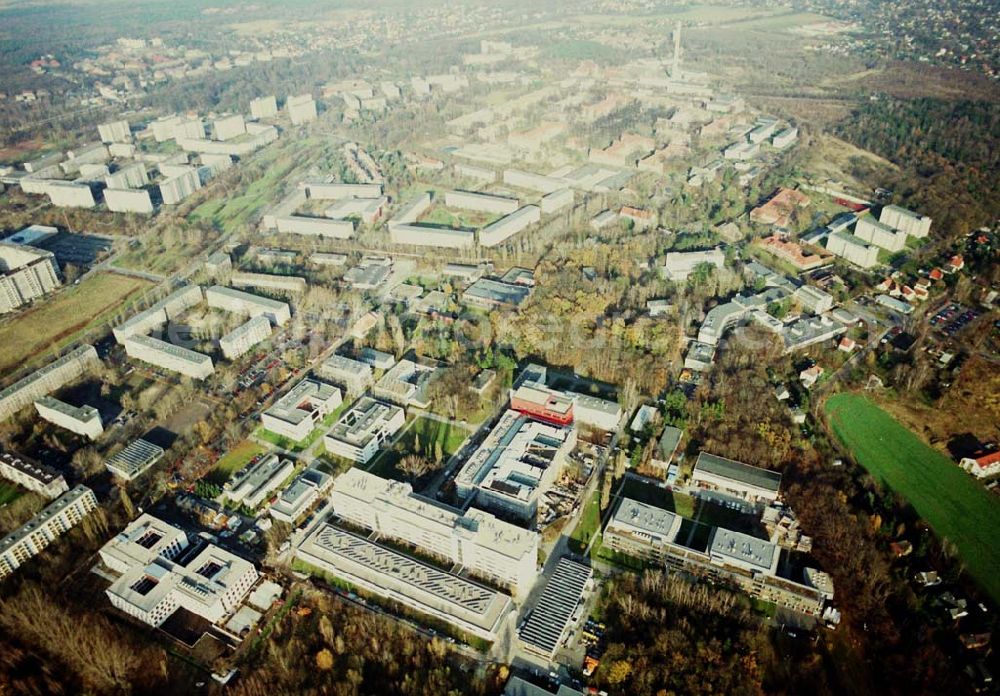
952, 318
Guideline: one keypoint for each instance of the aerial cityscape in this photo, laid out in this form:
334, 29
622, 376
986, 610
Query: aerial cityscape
618, 347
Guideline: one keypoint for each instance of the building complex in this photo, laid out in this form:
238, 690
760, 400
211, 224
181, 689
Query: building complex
31, 538
363, 429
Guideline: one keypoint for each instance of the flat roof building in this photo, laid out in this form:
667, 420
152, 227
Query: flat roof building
128, 200
269, 281
244, 337
264, 107
82, 420
252, 484
490, 293
26, 273
506, 227
678, 265
853, 249
115, 132
32, 475
486, 547
301, 109
296, 414
482, 202
31, 538
515, 465
415, 584
405, 384
735, 479
169, 356
363, 429
304, 490
240, 302
913, 224
134, 460
315, 226
869, 229
353, 375
160, 571
47, 379
546, 629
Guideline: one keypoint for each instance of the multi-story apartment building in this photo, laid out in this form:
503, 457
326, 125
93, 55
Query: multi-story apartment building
32, 475
26, 273
169, 356
47, 379
296, 414
363, 429
36, 534
82, 420
240, 340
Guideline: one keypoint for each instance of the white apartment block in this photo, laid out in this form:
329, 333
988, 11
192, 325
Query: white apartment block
315, 227
852, 249
128, 201
516, 464
335, 191
26, 273
252, 485
508, 226
353, 375
368, 209
48, 379
115, 132
159, 575
82, 420
485, 546
169, 357
363, 429
229, 127
296, 414
32, 475
482, 174
178, 187
870, 230
301, 109
267, 281
481, 202
264, 107
912, 223
170, 307
814, 299
131, 176
40, 531
420, 235
244, 337
241, 302
69, 194
532, 182
556, 201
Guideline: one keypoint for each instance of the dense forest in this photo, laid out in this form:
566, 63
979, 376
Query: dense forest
950, 151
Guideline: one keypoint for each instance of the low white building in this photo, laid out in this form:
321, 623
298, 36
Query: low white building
252, 484
735, 479
508, 226
482, 202
156, 577
134, 459
678, 265
363, 429
304, 490
296, 414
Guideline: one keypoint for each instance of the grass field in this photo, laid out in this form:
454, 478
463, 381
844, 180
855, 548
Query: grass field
430, 432
955, 506
234, 460
57, 321
8, 493
588, 526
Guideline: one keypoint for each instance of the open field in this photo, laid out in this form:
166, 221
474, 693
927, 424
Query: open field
955, 506
429, 432
589, 524
234, 460
56, 321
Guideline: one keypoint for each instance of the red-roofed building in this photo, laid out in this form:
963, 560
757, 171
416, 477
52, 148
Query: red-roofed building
956, 263
984, 465
846, 344
544, 404
936, 274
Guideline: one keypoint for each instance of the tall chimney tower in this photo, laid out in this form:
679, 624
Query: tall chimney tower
675, 71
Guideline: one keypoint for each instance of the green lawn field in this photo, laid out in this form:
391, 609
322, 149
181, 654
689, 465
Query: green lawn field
955, 506
234, 460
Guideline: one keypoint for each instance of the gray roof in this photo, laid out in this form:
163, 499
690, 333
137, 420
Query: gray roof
496, 291
555, 607
669, 440
738, 471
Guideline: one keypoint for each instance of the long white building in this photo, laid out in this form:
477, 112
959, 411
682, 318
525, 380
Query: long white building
32, 475
678, 265
315, 227
48, 379
489, 548
31, 538
169, 356
481, 202
82, 420
244, 337
252, 485
508, 226
158, 573
241, 302
127, 200
363, 429
296, 414
269, 281
304, 490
